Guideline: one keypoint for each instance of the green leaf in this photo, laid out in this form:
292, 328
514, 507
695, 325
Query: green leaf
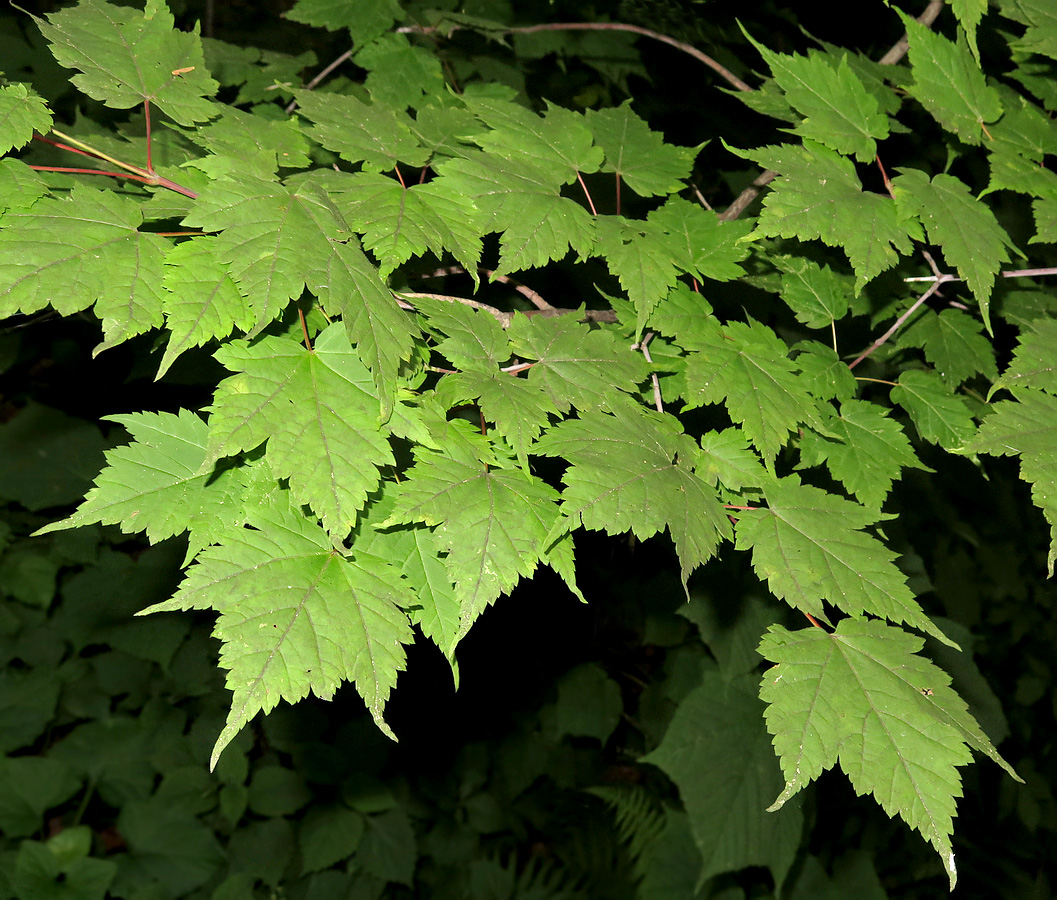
747, 367
700, 243
727, 459
155, 484
631, 471
201, 301
522, 201
969, 13
365, 21
863, 698
718, 754
820, 196
576, 366
1041, 33
128, 57
89, 239
810, 547
491, 522
22, 111
1033, 364
474, 339
29, 787
949, 84
954, 345
817, 295
399, 74
398, 223
1027, 427
297, 616
837, 108
372, 133
936, 411
865, 453
319, 414
964, 228
328, 835
638, 155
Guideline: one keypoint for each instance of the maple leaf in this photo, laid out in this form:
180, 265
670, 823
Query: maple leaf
89, 239
637, 154
809, 545
467, 337
365, 21
576, 366
492, 524
824, 374
127, 57
949, 84
399, 74
953, 343
717, 752
965, 229
297, 616
862, 697
22, 111
632, 471
1027, 426
817, 295
1033, 363
938, 414
200, 300
522, 201
398, 223
865, 450
318, 412
839, 111
700, 243
820, 196
747, 367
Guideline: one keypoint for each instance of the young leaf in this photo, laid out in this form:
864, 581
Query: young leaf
838, 110
866, 452
631, 471
936, 411
296, 616
864, 698
717, 752
319, 414
820, 196
949, 84
747, 367
128, 57
809, 545
964, 228
22, 111
638, 155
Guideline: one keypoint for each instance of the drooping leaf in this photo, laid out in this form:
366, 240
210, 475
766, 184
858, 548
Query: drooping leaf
319, 414
297, 616
864, 698
127, 57
631, 471
810, 546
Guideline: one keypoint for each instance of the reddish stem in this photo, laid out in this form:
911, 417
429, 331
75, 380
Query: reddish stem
304, 329
146, 116
587, 194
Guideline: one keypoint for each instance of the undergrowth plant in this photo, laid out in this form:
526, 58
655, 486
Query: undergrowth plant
418, 414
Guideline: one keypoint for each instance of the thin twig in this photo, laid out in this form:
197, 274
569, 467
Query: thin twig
899, 48
503, 318
643, 346
689, 49
532, 296
1013, 273
943, 279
